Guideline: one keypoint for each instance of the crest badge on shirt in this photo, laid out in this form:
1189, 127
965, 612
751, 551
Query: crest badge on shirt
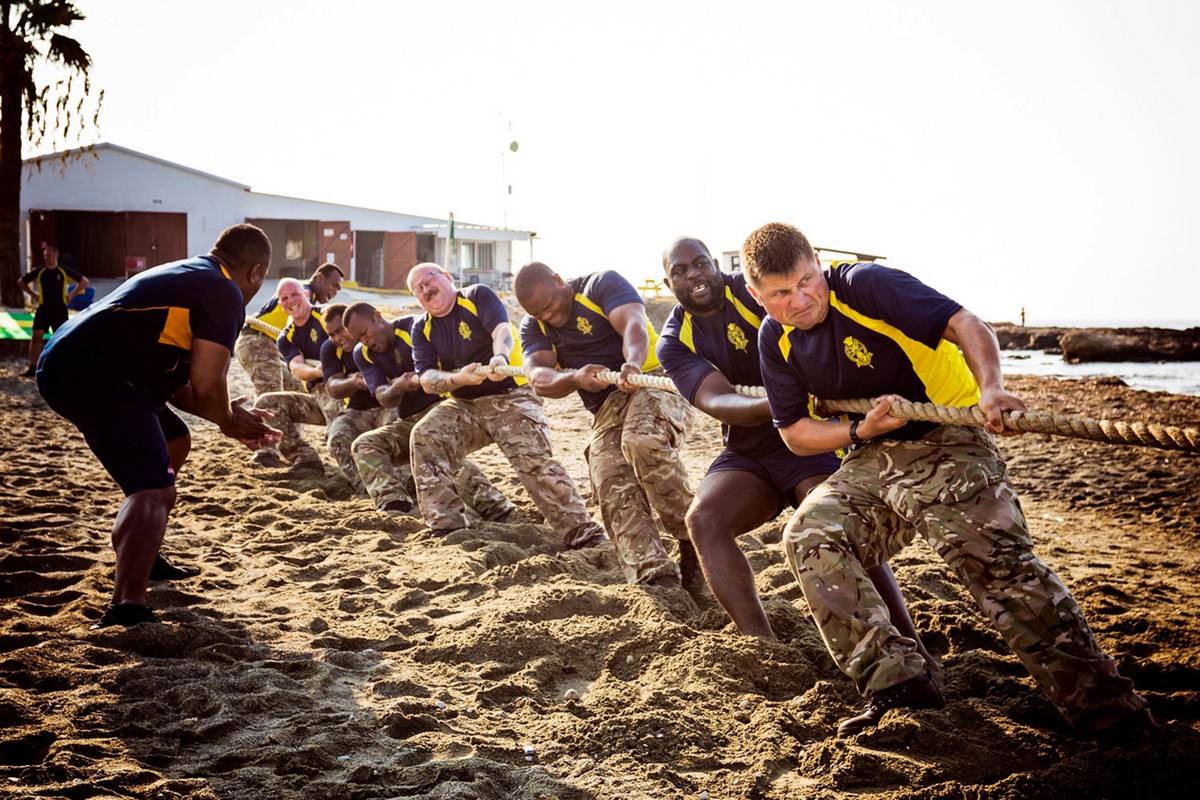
583, 326
464, 330
736, 337
857, 352
312, 335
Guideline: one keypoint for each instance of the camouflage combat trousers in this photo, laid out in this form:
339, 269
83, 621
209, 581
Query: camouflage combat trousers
633, 458
259, 356
952, 488
293, 409
383, 459
345, 429
517, 425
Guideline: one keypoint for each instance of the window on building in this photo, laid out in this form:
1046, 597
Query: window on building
479, 256
293, 249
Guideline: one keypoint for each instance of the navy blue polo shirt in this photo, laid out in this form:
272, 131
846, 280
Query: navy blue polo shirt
588, 337
51, 284
336, 362
142, 332
304, 340
464, 336
691, 348
882, 335
380, 369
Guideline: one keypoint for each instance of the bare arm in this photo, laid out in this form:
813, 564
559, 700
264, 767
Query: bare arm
502, 345
629, 320
808, 436
716, 397
209, 395
982, 353
342, 385
544, 377
435, 381
80, 285
27, 289
392, 394
303, 370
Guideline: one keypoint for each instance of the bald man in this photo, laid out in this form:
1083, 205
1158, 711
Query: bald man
598, 322
461, 331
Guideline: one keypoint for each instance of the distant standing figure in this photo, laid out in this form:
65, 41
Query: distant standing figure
598, 322
460, 331
166, 335
256, 348
864, 330
47, 285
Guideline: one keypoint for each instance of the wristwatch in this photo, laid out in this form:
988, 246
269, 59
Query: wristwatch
854, 440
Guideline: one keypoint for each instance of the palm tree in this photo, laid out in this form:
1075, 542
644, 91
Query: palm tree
29, 32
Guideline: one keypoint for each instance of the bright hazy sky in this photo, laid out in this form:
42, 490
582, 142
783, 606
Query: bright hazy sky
1019, 154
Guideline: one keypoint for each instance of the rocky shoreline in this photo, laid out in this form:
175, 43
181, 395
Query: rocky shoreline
1103, 344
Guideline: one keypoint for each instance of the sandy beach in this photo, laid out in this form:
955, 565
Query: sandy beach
330, 651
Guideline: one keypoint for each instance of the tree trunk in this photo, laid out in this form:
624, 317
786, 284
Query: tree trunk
11, 105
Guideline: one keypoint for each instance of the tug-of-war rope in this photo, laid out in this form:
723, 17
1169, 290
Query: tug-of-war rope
1150, 434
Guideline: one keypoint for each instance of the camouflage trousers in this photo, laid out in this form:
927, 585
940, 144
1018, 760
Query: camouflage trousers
517, 425
633, 458
952, 488
345, 429
293, 409
259, 356
383, 459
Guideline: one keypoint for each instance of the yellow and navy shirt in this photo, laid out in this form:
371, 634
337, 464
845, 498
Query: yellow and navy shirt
379, 369
305, 340
336, 362
588, 337
882, 335
143, 331
51, 284
464, 336
691, 348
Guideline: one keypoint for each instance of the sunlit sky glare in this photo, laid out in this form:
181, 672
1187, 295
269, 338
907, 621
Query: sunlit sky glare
1019, 154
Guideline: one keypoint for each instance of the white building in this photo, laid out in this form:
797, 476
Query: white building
117, 211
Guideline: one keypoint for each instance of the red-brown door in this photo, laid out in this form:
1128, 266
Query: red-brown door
336, 244
399, 256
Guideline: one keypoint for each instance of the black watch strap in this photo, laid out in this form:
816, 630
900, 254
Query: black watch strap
854, 440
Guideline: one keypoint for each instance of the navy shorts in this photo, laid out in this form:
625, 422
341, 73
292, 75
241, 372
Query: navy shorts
779, 468
49, 318
125, 426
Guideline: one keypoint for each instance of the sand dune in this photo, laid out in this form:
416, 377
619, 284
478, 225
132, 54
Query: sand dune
329, 651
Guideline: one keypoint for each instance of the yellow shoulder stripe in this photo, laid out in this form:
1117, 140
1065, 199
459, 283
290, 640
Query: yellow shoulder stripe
746, 313
586, 302
685, 332
943, 370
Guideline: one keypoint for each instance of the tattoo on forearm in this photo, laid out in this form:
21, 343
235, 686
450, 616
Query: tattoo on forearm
440, 382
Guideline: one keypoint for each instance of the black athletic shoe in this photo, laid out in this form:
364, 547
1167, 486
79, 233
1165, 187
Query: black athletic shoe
127, 614
164, 570
918, 692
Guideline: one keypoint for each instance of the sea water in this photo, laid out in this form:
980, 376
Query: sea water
1177, 377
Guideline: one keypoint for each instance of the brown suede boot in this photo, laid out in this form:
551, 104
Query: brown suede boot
918, 692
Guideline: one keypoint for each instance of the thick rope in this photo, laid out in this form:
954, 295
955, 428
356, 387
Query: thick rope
1152, 434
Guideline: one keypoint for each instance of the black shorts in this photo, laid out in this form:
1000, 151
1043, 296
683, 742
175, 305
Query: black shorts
49, 318
124, 425
779, 468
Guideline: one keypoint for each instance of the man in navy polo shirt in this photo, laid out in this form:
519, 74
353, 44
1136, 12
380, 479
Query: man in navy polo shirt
459, 332
864, 330
47, 285
166, 335
384, 356
598, 322
708, 345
